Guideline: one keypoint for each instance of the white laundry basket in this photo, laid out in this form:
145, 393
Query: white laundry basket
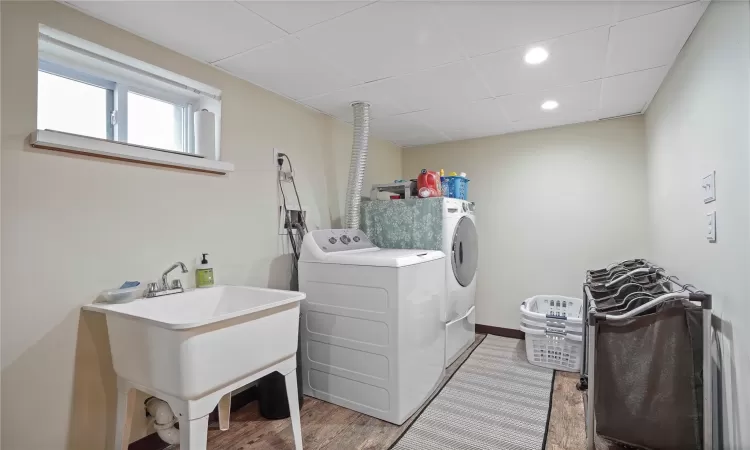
554, 331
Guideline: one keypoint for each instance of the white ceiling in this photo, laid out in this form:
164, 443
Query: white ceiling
433, 71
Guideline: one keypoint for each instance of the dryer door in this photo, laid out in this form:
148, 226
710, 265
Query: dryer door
464, 253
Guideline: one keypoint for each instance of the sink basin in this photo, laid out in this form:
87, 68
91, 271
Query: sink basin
198, 307
190, 344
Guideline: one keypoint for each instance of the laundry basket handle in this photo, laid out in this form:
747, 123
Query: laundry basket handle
555, 331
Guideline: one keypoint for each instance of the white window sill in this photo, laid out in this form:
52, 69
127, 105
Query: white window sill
73, 143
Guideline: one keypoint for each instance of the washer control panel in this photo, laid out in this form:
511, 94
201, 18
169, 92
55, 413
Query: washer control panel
341, 240
456, 207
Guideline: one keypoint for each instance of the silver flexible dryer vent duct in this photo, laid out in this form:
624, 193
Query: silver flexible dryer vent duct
358, 163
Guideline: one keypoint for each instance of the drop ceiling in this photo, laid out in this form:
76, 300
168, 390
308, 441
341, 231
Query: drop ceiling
432, 71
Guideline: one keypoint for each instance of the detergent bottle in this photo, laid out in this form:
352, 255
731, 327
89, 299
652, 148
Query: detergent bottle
428, 184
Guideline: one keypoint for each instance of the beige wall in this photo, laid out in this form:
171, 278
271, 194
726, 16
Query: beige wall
550, 204
698, 123
73, 226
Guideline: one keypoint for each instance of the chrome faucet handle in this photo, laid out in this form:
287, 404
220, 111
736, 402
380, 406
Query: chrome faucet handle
176, 284
151, 289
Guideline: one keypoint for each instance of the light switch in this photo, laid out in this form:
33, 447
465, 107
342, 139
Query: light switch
709, 187
711, 226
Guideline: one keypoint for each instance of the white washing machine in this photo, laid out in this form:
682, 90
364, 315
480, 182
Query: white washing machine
373, 339
460, 244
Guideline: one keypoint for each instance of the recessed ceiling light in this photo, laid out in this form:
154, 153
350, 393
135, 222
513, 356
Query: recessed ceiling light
549, 105
536, 55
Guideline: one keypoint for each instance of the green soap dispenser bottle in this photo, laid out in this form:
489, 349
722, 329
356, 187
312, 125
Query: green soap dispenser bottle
204, 273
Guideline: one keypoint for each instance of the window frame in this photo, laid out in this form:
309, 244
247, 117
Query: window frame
117, 100
92, 59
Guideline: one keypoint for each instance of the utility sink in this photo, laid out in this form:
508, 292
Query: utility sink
192, 348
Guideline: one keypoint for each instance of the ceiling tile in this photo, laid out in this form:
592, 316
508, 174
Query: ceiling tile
629, 9
294, 16
205, 30
629, 93
287, 68
449, 84
384, 39
651, 41
338, 103
405, 129
445, 85
421, 140
572, 59
574, 100
555, 121
466, 121
484, 27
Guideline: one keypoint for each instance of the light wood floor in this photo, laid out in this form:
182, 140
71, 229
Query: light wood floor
567, 428
329, 427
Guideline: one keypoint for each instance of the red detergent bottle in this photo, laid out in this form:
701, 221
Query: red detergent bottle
428, 184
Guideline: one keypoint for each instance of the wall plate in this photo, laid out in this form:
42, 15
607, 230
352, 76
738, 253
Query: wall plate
711, 226
282, 219
709, 187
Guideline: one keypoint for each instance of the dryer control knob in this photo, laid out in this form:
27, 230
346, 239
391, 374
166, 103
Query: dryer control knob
345, 240
332, 240
465, 207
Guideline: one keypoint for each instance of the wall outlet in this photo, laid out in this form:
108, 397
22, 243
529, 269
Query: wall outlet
287, 218
711, 226
709, 187
285, 175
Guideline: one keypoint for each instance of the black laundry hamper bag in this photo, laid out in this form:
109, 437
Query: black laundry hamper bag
649, 379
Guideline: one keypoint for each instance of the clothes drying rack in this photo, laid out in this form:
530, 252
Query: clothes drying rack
593, 318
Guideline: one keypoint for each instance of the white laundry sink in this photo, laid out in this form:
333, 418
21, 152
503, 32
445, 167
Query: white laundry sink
189, 344
193, 348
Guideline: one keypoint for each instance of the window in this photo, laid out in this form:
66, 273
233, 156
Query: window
73, 106
156, 123
79, 103
101, 103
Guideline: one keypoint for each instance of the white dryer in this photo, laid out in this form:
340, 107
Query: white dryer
373, 339
460, 244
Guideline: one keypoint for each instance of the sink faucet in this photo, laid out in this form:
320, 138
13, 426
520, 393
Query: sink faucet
164, 284
163, 288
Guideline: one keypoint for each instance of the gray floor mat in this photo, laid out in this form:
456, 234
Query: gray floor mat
495, 401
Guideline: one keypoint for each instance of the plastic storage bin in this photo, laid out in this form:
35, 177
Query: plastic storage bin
457, 187
554, 331
120, 295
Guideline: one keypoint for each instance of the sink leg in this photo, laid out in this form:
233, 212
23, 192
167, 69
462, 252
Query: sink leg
225, 403
193, 433
125, 409
291, 393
